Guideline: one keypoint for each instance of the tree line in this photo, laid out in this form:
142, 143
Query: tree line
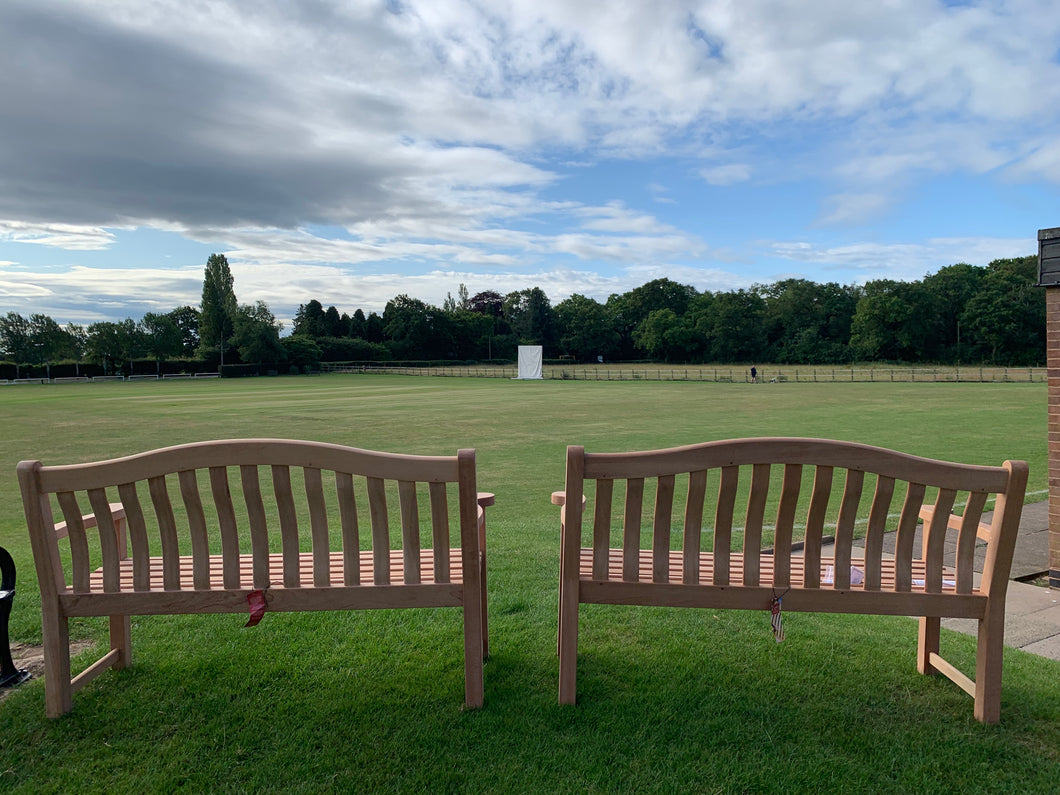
993, 314
962, 314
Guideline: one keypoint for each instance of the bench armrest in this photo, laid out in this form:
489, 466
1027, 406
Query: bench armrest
117, 510
927, 512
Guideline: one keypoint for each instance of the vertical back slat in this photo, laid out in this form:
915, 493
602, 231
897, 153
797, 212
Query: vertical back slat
380, 531
250, 480
167, 531
660, 545
108, 539
753, 521
811, 549
966, 538
844, 526
935, 540
318, 525
351, 537
226, 519
903, 543
789, 501
281, 486
723, 514
75, 531
877, 527
631, 529
141, 551
410, 531
602, 528
200, 541
440, 530
692, 544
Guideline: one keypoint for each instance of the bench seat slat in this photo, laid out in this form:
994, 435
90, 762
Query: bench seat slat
766, 561
306, 567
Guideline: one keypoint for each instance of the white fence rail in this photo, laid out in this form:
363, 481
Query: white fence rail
777, 375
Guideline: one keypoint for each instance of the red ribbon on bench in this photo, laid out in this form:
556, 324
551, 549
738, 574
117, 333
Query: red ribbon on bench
256, 602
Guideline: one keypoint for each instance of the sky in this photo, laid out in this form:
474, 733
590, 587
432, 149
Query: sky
353, 151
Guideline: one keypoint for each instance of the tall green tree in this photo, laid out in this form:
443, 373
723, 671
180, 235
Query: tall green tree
414, 329
585, 329
893, 322
257, 334
162, 337
951, 288
186, 319
113, 344
629, 310
532, 318
218, 310
309, 320
737, 330
808, 322
358, 325
664, 335
15, 338
333, 325
1006, 317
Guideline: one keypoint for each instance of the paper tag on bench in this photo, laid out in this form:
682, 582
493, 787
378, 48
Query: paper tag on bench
256, 602
776, 620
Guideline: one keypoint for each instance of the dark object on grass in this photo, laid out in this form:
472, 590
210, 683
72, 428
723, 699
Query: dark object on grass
9, 674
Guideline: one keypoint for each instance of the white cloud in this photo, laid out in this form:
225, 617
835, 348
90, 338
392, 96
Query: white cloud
439, 136
729, 174
902, 261
854, 208
70, 237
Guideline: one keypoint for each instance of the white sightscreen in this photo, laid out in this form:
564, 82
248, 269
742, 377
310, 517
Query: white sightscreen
530, 361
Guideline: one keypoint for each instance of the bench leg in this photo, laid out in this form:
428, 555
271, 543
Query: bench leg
927, 644
988, 660
121, 640
568, 645
485, 612
474, 641
58, 695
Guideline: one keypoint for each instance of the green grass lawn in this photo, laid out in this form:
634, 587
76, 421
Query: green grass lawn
670, 700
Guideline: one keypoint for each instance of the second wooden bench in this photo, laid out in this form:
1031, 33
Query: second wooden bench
622, 510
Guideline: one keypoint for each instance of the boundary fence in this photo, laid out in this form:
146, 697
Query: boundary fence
102, 378
776, 375
766, 375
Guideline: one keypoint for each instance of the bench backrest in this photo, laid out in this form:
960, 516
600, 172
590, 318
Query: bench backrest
256, 497
762, 495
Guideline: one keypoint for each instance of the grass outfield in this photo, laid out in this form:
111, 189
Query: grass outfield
669, 700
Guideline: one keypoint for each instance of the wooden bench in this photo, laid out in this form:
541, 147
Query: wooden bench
245, 526
625, 556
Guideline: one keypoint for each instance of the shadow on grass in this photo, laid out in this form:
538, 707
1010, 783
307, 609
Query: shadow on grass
668, 701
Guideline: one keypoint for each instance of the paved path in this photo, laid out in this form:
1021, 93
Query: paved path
1032, 612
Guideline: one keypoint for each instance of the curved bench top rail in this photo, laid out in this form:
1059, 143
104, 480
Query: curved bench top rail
247, 452
792, 450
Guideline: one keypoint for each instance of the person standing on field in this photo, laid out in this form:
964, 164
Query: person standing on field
754, 374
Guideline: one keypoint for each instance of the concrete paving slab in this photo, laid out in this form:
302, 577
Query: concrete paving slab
1050, 647
1032, 613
